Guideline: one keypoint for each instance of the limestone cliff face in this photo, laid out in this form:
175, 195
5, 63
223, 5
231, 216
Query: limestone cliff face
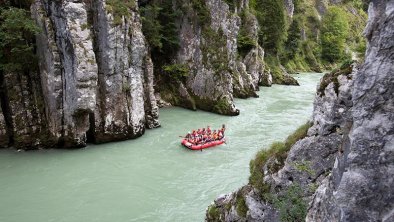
68, 69
125, 76
217, 71
94, 84
343, 169
360, 186
306, 164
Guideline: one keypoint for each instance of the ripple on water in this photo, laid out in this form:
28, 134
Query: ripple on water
152, 178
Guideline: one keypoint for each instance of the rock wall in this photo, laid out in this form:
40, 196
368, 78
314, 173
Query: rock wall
305, 165
125, 77
217, 71
344, 166
360, 186
94, 84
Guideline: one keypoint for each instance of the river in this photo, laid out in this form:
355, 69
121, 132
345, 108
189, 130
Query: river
152, 178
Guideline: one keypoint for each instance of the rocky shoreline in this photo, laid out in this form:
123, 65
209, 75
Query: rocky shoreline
341, 168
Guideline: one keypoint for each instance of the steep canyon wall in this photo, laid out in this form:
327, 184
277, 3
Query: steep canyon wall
341, 168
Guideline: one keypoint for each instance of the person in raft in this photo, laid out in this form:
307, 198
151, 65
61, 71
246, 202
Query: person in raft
204, 136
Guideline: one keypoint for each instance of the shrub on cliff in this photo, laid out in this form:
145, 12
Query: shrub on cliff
176, 72
278, 152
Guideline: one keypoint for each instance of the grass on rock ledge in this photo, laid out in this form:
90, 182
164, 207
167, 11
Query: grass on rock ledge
277, 152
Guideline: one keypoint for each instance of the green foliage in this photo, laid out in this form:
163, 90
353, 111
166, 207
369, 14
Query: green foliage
120, 9
203, 13
302, 49
293, 42
300, 133
278, 151
241, 207
304, 166
291, 205
231, 4
17, 31
334, 31
221, 106
245, 42
313, 187
176, 72
197, 7
158, 26
151, 26
271, 17
357, 21
213, 213
273, 64
214, 50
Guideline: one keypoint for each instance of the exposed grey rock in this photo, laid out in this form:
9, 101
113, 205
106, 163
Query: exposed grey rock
309, 160
289, 5
78, 70
205, 84
360, 188
58, 106
160, 102
150, 103
255, 68
50, 70
218, 73
25, 111
285, 78
126, 102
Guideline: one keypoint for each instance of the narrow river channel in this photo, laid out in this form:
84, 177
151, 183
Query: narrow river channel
152, 178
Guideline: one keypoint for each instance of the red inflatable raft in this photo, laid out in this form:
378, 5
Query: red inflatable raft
202, 146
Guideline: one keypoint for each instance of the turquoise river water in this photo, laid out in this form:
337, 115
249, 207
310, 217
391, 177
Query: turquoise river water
152, 178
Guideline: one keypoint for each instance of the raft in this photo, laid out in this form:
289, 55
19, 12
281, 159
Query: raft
202, 146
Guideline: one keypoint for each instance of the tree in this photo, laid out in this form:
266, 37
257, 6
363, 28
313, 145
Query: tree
293, 42
334, 31
17, 32
271, 17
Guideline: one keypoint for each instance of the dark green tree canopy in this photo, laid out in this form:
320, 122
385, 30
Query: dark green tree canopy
272, 19
17, 31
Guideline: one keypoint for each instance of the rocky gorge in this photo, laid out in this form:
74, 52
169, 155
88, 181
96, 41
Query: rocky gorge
74, 72
99, 70
95, 76
339, 166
